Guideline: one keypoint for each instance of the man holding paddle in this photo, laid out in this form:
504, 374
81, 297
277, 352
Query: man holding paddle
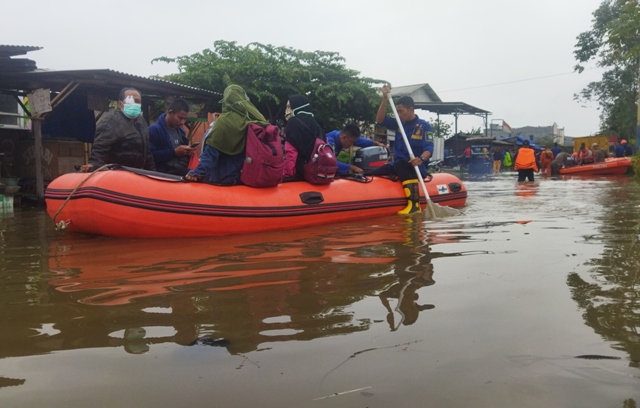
420, 135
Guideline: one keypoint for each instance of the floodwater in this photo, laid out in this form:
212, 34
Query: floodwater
488, 309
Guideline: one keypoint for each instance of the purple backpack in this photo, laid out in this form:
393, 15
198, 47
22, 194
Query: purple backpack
263, 163
322, 165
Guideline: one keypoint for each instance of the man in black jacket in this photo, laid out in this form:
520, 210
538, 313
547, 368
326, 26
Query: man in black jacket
123, 136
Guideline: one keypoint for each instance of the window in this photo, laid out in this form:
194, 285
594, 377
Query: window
9, 108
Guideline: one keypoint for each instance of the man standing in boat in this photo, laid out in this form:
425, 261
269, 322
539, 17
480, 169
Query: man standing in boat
420, 135
122, 137
169, 144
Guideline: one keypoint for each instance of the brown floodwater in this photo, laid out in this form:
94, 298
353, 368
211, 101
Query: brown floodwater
488, 309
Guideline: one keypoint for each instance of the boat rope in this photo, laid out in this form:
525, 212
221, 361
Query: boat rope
62, 225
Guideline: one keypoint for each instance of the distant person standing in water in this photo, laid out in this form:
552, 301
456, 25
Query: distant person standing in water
525, 162
497, 160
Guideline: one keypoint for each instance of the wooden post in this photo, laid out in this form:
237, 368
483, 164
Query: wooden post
37, 134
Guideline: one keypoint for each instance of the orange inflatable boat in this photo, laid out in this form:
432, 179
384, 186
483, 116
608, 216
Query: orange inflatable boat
137, 203
610, 167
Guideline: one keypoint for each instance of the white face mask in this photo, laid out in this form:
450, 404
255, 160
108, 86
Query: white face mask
288, 113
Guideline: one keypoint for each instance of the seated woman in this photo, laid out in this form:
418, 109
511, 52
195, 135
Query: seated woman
224, 148
300, 136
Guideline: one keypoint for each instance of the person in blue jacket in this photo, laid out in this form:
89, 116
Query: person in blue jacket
169, 144
341, 141
420, 136
556, 149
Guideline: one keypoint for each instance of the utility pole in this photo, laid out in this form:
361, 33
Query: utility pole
638, 116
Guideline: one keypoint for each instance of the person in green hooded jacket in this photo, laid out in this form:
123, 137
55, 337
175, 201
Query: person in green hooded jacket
224, 150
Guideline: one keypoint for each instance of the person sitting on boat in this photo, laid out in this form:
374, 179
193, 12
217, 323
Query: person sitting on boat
598, 154
420, 136
224, 151
301, 133
342, 140
525, 162
169, 144
628, 151
561, 161
546, 157
122, 137
585, 156
618, 150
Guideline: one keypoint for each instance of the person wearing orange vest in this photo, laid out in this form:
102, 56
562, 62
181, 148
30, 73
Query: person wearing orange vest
525, 162
546, 157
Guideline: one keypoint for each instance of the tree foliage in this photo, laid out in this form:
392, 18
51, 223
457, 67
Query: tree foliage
440, 128
269, 74
614, 43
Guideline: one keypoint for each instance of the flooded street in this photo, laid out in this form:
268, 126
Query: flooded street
488, 309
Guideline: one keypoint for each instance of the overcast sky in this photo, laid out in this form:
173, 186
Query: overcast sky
484, 53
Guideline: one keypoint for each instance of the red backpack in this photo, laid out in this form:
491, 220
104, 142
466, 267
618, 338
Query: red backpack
263, 164
322, 165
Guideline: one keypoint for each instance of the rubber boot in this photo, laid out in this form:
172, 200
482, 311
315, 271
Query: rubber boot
413, 198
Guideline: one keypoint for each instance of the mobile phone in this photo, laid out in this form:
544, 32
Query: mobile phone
195, 144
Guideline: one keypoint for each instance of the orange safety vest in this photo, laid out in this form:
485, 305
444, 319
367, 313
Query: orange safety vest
526, 159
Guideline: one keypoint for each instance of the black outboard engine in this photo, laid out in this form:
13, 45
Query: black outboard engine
369, 158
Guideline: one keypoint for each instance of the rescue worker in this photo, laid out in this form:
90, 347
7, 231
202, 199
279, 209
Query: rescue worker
420, 138
598, 154
559, 162
525, 162
628, 151
546, 157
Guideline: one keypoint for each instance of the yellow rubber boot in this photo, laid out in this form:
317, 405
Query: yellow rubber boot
413, 198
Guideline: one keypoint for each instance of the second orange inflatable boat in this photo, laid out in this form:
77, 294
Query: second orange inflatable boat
134, 203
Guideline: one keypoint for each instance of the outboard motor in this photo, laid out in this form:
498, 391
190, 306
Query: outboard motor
369, 158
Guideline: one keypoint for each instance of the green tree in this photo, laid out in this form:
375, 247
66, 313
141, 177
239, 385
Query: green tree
440, 128
269, 74
614, 43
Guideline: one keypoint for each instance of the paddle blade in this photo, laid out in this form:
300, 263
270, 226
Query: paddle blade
434, 211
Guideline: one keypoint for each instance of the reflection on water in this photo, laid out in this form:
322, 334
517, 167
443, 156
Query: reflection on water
236, 292
609, 294
369, 313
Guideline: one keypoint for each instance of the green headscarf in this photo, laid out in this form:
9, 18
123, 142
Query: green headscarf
229, 134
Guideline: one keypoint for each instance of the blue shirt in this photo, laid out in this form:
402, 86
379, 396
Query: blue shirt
556, 150
219, 168
420, 135
163, 144
333, 140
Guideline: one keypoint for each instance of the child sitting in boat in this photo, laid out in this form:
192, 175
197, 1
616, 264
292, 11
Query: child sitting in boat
224, 151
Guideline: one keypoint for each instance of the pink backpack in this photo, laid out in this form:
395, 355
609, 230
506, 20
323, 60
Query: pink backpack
263, 163
322, 166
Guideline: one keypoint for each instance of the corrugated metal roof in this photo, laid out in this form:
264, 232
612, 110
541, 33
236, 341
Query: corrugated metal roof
407, 90
11, 50
107, 80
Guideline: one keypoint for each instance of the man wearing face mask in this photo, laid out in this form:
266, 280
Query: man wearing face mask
123, 136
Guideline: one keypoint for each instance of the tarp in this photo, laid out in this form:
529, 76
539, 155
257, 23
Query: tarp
520, 139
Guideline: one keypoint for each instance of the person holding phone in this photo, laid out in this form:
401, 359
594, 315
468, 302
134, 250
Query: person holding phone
169, 144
